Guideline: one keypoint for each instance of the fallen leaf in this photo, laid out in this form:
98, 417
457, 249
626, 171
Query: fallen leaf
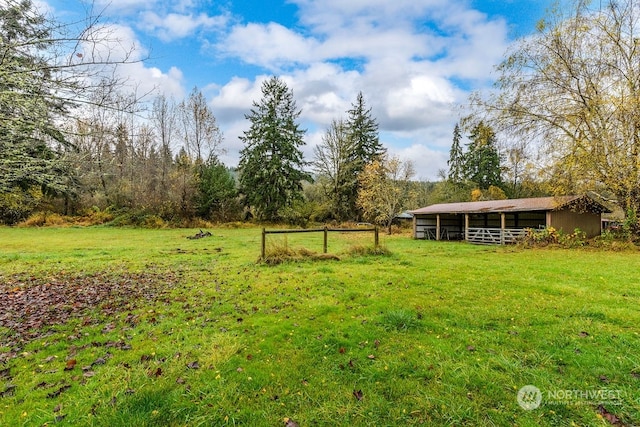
99, 361
584, 334
59, 391
193, 365
71, 363
371, 357
288, 422
358, 394
471, 348
613, 420
8, 390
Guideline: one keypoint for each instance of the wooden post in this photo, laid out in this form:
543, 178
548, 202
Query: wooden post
324, 247
503, 225
415, 227
264, 243
376, 240
437, 226
466, 227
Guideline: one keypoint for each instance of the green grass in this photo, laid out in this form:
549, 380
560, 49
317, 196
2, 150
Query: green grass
428, 333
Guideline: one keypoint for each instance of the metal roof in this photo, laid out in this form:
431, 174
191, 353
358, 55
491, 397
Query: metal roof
579, 203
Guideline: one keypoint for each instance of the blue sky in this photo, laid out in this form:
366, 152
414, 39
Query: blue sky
415, 61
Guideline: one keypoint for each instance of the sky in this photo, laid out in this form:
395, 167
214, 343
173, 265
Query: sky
415, 61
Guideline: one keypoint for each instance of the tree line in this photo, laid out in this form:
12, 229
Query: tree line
563, 118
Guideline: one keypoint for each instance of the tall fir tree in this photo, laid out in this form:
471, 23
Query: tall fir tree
362, 129
271, 163
362, 132
482, 160
456, 158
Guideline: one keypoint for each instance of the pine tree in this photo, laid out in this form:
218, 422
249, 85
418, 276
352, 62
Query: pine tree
271, 163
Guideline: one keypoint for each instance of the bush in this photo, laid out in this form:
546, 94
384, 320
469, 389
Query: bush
576, 239
43, 219
543, 237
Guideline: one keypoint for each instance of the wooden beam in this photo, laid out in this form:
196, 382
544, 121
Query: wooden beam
437, 226
466, 226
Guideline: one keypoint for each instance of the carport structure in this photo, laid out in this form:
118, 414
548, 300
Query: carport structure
504, 221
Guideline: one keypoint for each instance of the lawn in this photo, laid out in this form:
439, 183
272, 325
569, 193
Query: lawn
129, 327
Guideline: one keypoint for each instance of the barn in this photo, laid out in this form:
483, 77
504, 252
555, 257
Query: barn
504, 221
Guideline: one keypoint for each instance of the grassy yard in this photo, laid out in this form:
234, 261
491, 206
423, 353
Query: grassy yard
197, 333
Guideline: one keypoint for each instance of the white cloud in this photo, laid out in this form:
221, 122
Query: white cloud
268, 46
413, 60
173, 26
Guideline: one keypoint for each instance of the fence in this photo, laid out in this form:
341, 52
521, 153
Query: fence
324, 230
494, 236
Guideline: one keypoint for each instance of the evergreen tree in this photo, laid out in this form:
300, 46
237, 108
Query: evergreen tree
456, 158
362, 129
45, 72
362, 133
271, 163
482, 160
216, 190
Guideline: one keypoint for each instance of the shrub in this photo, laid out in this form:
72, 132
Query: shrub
543, 237
573, 240
43, 219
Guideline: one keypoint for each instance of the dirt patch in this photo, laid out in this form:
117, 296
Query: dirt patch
30, 305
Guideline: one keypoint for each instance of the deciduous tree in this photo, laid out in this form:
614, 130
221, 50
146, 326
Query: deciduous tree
385, 190
333, 162
574, 88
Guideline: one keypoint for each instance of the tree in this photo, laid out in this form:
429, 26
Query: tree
362, 132
574, 89
200, 132
216, 191
271, 163
362, 129
333, 163
385, 190
164, 122
45, 71
456, 158
482, 160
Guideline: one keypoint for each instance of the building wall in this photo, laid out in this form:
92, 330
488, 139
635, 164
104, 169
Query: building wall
568, 221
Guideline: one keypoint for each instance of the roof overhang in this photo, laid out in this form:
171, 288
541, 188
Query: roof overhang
574, 203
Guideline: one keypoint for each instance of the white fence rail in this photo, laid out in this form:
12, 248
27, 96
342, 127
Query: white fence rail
494, 236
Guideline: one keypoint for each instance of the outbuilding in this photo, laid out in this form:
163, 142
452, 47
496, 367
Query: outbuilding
504, 221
